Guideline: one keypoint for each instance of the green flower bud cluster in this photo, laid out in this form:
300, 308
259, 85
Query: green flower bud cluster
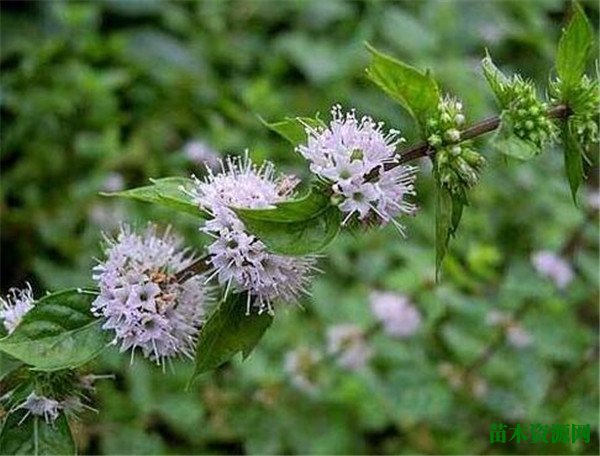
527, 113
584, 102
456, 163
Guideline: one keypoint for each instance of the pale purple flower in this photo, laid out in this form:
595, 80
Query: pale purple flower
114, 182
39, 405
106, 216
593, 199
517, 336
497, 318
238, 258
552, 266
87, 382
479, 387
302, 365
201, 153
396, 313
349, 150
17, 303
142, 301
347, 343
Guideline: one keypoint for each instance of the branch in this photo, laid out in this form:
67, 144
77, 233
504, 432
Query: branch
417, 151
197, 267
480, 128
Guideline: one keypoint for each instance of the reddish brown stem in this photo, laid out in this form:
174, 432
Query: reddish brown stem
485, 126
197, 267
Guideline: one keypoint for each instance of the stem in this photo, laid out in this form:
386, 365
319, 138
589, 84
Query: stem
480, 128
197, 267
420, 150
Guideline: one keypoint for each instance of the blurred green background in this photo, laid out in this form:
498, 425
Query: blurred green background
99, 95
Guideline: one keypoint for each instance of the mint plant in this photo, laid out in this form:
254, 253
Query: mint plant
157, 297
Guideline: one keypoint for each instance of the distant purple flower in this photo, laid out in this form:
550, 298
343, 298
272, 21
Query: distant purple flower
396, 313
107, 215
12, 309
479, 387
201, 153
554, 267
39, 405
301, 365
347, 343
517, 336
237, 257
349, 150
141, 300
593, 199
114, 182
87, 382
497, 318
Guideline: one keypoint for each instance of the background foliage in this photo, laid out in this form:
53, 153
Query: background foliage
96, 88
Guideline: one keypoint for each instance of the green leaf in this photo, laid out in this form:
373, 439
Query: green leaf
166, 192
458, 204
229, 331
507, 143
573, 160
443, 225
34, 436
296, 227
495, 78
574, 49
449, 210
60, 332
293, 129
415, 90
8, 365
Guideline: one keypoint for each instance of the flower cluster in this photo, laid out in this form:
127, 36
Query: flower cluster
527, 113
50, 394
237, 257
141, 299
359, 160
584, 102
396, 313
15, 306
456, 164
347, 343
39, 405
302, 365
554, 267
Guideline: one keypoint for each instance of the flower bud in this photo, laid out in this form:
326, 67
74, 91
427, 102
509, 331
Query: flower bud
473, 158
455, 150
434, 140
452, 135
442, 157
527, 113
